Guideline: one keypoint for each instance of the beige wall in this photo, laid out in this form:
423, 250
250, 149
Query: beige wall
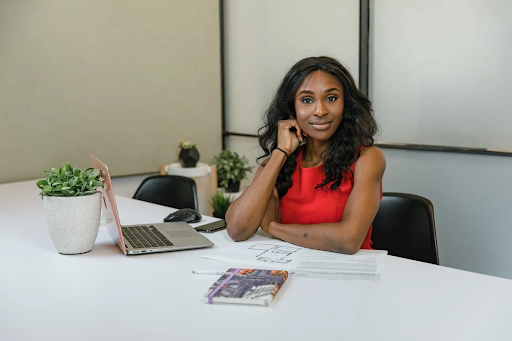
125, 80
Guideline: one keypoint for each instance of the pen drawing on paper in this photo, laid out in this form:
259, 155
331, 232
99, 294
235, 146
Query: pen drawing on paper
271, 253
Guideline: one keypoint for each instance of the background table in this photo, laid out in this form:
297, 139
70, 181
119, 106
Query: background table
104, 295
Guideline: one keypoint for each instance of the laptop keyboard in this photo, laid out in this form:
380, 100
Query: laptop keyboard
141, 237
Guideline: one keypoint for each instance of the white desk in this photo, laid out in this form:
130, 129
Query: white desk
104, 295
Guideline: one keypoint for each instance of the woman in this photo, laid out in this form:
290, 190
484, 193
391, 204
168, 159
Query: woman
323, 194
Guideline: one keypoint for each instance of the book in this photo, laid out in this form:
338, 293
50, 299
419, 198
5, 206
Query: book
246, 286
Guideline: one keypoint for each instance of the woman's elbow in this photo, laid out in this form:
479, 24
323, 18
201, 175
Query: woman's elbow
345, 246
349, 249
238, 234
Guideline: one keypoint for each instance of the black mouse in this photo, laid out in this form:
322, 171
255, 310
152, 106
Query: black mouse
187, 215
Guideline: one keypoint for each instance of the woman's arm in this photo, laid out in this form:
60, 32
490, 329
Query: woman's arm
246, 213
363, 203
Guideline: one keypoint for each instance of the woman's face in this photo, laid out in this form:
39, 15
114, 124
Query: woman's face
319, 105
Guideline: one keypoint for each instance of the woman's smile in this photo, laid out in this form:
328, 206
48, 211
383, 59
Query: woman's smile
321, 125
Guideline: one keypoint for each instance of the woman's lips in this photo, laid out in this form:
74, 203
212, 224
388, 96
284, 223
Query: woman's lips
321, 126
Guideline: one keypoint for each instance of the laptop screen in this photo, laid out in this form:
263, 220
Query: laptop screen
109, 213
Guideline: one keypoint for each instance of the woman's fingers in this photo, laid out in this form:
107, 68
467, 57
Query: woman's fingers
299, 133
287, 139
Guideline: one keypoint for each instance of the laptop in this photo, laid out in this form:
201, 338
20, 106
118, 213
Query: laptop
144, 238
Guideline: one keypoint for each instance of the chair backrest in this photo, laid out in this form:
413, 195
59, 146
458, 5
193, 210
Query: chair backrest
405, 226
168, 190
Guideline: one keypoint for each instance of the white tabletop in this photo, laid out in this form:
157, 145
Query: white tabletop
104, 295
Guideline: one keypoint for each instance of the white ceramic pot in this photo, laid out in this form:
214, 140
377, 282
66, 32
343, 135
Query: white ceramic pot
73, 222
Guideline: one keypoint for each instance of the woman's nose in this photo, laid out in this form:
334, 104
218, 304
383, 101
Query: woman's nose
320, 109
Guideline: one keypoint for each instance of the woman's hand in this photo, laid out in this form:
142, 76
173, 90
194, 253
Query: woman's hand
286, 139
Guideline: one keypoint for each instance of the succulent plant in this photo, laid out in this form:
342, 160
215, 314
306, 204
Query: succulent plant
186, 144
69, 181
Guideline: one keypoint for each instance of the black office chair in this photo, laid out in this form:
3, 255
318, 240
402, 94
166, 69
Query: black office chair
168, 190
405, 226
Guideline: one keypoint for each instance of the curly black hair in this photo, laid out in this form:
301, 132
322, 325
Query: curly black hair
356, 130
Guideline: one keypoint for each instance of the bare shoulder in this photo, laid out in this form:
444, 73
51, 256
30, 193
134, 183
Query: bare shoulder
374, 153
372, 161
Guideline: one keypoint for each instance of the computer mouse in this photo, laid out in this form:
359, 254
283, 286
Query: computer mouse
187, 215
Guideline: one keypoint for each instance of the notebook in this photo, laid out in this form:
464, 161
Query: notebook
246, 286
144, 238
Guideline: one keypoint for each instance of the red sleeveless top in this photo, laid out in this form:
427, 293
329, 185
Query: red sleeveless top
303, 204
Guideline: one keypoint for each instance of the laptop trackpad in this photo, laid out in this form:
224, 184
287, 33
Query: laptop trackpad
182, 233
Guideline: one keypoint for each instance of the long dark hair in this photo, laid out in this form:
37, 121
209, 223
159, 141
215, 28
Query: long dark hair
356, 130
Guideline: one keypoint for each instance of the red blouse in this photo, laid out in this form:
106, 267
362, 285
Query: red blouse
303, 204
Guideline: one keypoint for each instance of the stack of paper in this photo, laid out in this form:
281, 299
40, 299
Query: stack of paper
303, 262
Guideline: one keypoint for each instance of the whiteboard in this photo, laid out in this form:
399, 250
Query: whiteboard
440, 72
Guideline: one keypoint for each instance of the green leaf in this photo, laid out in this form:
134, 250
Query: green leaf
97, 183
41, 183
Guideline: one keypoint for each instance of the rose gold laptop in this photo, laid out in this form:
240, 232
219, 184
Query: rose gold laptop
144, 238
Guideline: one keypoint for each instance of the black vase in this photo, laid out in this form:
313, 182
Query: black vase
189, 157
233, 187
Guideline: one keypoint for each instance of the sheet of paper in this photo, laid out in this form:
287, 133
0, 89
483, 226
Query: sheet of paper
303, 262
363, 265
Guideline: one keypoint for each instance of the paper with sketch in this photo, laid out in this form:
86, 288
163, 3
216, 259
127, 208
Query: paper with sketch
303, 262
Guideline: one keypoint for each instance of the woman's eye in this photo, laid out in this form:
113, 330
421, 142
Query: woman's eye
331, 98
307, 100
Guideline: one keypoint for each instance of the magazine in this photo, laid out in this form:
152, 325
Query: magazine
246, 286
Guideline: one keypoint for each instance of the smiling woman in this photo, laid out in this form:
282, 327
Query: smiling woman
326, 193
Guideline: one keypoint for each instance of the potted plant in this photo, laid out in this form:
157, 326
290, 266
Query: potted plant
231, 169
72, 207
189, 155
220, 203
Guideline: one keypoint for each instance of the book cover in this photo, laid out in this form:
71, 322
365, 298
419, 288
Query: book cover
246, 286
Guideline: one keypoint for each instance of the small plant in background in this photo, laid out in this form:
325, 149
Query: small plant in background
220, 203
187, 144
231, 169
68, 181
188, 155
